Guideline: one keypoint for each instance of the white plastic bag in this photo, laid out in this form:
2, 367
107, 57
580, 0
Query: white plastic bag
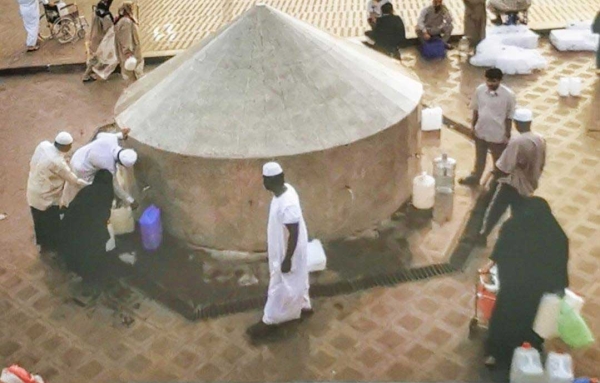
111, 244
121, 220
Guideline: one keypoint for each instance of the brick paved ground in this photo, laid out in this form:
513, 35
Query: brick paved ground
172, 25
413, 331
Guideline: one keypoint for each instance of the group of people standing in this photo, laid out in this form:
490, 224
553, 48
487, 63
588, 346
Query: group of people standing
112, 41
532, 250
71, 202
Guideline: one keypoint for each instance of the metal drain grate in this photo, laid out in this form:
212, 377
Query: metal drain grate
337, 288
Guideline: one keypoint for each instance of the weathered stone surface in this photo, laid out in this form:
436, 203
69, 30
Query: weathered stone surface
342, 121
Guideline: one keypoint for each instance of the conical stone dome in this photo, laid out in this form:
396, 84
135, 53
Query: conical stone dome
341, 119
266, 85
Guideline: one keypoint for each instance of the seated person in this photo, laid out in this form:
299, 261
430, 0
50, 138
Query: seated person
507, 7
435, 21
374, 10
388, 33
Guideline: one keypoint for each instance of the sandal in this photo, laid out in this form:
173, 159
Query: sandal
33, 49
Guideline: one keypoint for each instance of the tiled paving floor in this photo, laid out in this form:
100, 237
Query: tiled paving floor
172, 25
411, 332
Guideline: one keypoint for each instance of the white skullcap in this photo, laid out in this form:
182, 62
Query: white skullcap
523, 115
272, 169
63, 138
127, 157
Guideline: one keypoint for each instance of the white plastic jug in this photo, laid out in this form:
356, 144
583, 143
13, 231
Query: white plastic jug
316, 259
575, 86
431, 119
122, 221
559, 368
574, 300
563, 86
546, 319
423, 191
526, 366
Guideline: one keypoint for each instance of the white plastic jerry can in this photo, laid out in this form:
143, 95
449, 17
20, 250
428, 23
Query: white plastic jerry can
316, 259
526, 366
431, 119
423, 191
559, 368
563, 86
575, 86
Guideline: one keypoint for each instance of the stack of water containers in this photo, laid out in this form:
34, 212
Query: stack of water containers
443, 172
569, 85
526, 367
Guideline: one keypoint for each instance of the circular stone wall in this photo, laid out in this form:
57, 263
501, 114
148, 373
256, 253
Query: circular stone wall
222, 204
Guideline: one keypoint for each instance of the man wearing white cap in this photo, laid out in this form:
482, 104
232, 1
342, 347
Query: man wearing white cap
519, 170
288, 297
48, 174
104, 152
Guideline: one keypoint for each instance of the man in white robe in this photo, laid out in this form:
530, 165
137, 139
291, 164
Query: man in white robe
287, 244
102, 153
30, 13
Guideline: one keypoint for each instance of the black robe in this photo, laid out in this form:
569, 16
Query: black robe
532, 254
85, 230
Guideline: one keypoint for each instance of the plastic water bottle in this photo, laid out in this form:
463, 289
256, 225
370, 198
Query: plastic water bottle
559, 368
443, 171
444, 204
526, 366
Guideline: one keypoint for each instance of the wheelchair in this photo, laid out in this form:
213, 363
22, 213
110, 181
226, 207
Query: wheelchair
63, 22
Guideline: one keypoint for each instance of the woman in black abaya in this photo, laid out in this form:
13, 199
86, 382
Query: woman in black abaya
531, 253
85, 230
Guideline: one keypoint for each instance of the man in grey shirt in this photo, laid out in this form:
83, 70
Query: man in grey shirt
435, 21
518, 171
493, 106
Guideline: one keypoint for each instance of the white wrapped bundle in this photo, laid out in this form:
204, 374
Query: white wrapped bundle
575, 39
509, 59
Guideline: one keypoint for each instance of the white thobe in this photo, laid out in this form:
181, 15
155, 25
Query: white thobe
97, 155
288, 293
48, 172
30, 13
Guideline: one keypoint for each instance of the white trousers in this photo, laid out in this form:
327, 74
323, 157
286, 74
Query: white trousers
31, 20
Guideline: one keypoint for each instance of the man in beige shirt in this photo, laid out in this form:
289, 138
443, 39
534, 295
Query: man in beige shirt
493, 106
518, 171
48, 173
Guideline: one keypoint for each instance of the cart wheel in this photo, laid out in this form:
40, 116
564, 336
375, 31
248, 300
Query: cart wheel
473, 328
64, 29
45, 32
81, 33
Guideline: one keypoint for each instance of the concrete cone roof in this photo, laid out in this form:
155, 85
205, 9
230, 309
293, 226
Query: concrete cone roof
266, 85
